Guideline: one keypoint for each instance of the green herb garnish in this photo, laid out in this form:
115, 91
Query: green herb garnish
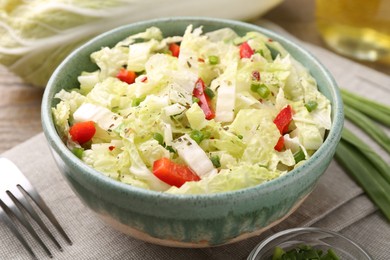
213, 60
311, 105
303, 252
260, 89
78, 151
215, 160
197, 136
299, 156
137, 101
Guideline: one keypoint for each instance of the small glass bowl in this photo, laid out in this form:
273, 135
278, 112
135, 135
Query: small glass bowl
318, 238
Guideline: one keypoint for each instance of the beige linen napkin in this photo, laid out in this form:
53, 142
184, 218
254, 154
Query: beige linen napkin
337, 203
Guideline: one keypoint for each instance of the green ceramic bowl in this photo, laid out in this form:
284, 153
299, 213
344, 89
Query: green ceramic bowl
190, 220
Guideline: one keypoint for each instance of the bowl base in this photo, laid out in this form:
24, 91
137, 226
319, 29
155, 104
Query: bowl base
175, 243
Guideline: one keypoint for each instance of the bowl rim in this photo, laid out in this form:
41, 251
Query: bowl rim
57, 144
297, 230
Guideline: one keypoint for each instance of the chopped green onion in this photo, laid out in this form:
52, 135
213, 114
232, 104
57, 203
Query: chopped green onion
368, 126
263, 91
78, 151
197, 136
213, 60
299, 156
260, 89
215, 160
137, 101
255, 87
311, 105
375, 110
159, 138
209, 92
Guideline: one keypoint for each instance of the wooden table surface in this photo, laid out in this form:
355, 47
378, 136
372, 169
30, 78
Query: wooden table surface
20, 103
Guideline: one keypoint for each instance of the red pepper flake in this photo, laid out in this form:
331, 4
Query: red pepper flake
200, 60
144, 79
256, 75
270, 40
111, 147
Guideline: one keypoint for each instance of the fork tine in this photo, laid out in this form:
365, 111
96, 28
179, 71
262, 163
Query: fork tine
14, 207
4, 215
16, 193
26, 187
45, 209
31, 211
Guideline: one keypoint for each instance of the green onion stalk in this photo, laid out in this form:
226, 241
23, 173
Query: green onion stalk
359, 159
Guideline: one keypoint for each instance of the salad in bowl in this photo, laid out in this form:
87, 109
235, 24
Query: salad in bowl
196, 113
192, 131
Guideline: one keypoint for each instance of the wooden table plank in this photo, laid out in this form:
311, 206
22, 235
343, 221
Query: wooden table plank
19, 110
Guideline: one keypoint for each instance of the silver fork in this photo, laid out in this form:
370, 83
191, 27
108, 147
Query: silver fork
16, 209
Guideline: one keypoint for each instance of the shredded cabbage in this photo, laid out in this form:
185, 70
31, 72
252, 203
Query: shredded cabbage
157, 116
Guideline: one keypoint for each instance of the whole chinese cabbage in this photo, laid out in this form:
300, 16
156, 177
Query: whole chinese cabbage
36, 35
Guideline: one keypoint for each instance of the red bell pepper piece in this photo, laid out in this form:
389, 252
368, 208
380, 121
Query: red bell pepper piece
175, 49
82, 132
127, 76
172, 173
204, 100
283, 119
280, 144
245, 50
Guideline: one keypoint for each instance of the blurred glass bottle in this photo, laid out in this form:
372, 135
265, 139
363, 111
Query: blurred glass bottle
356, 28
